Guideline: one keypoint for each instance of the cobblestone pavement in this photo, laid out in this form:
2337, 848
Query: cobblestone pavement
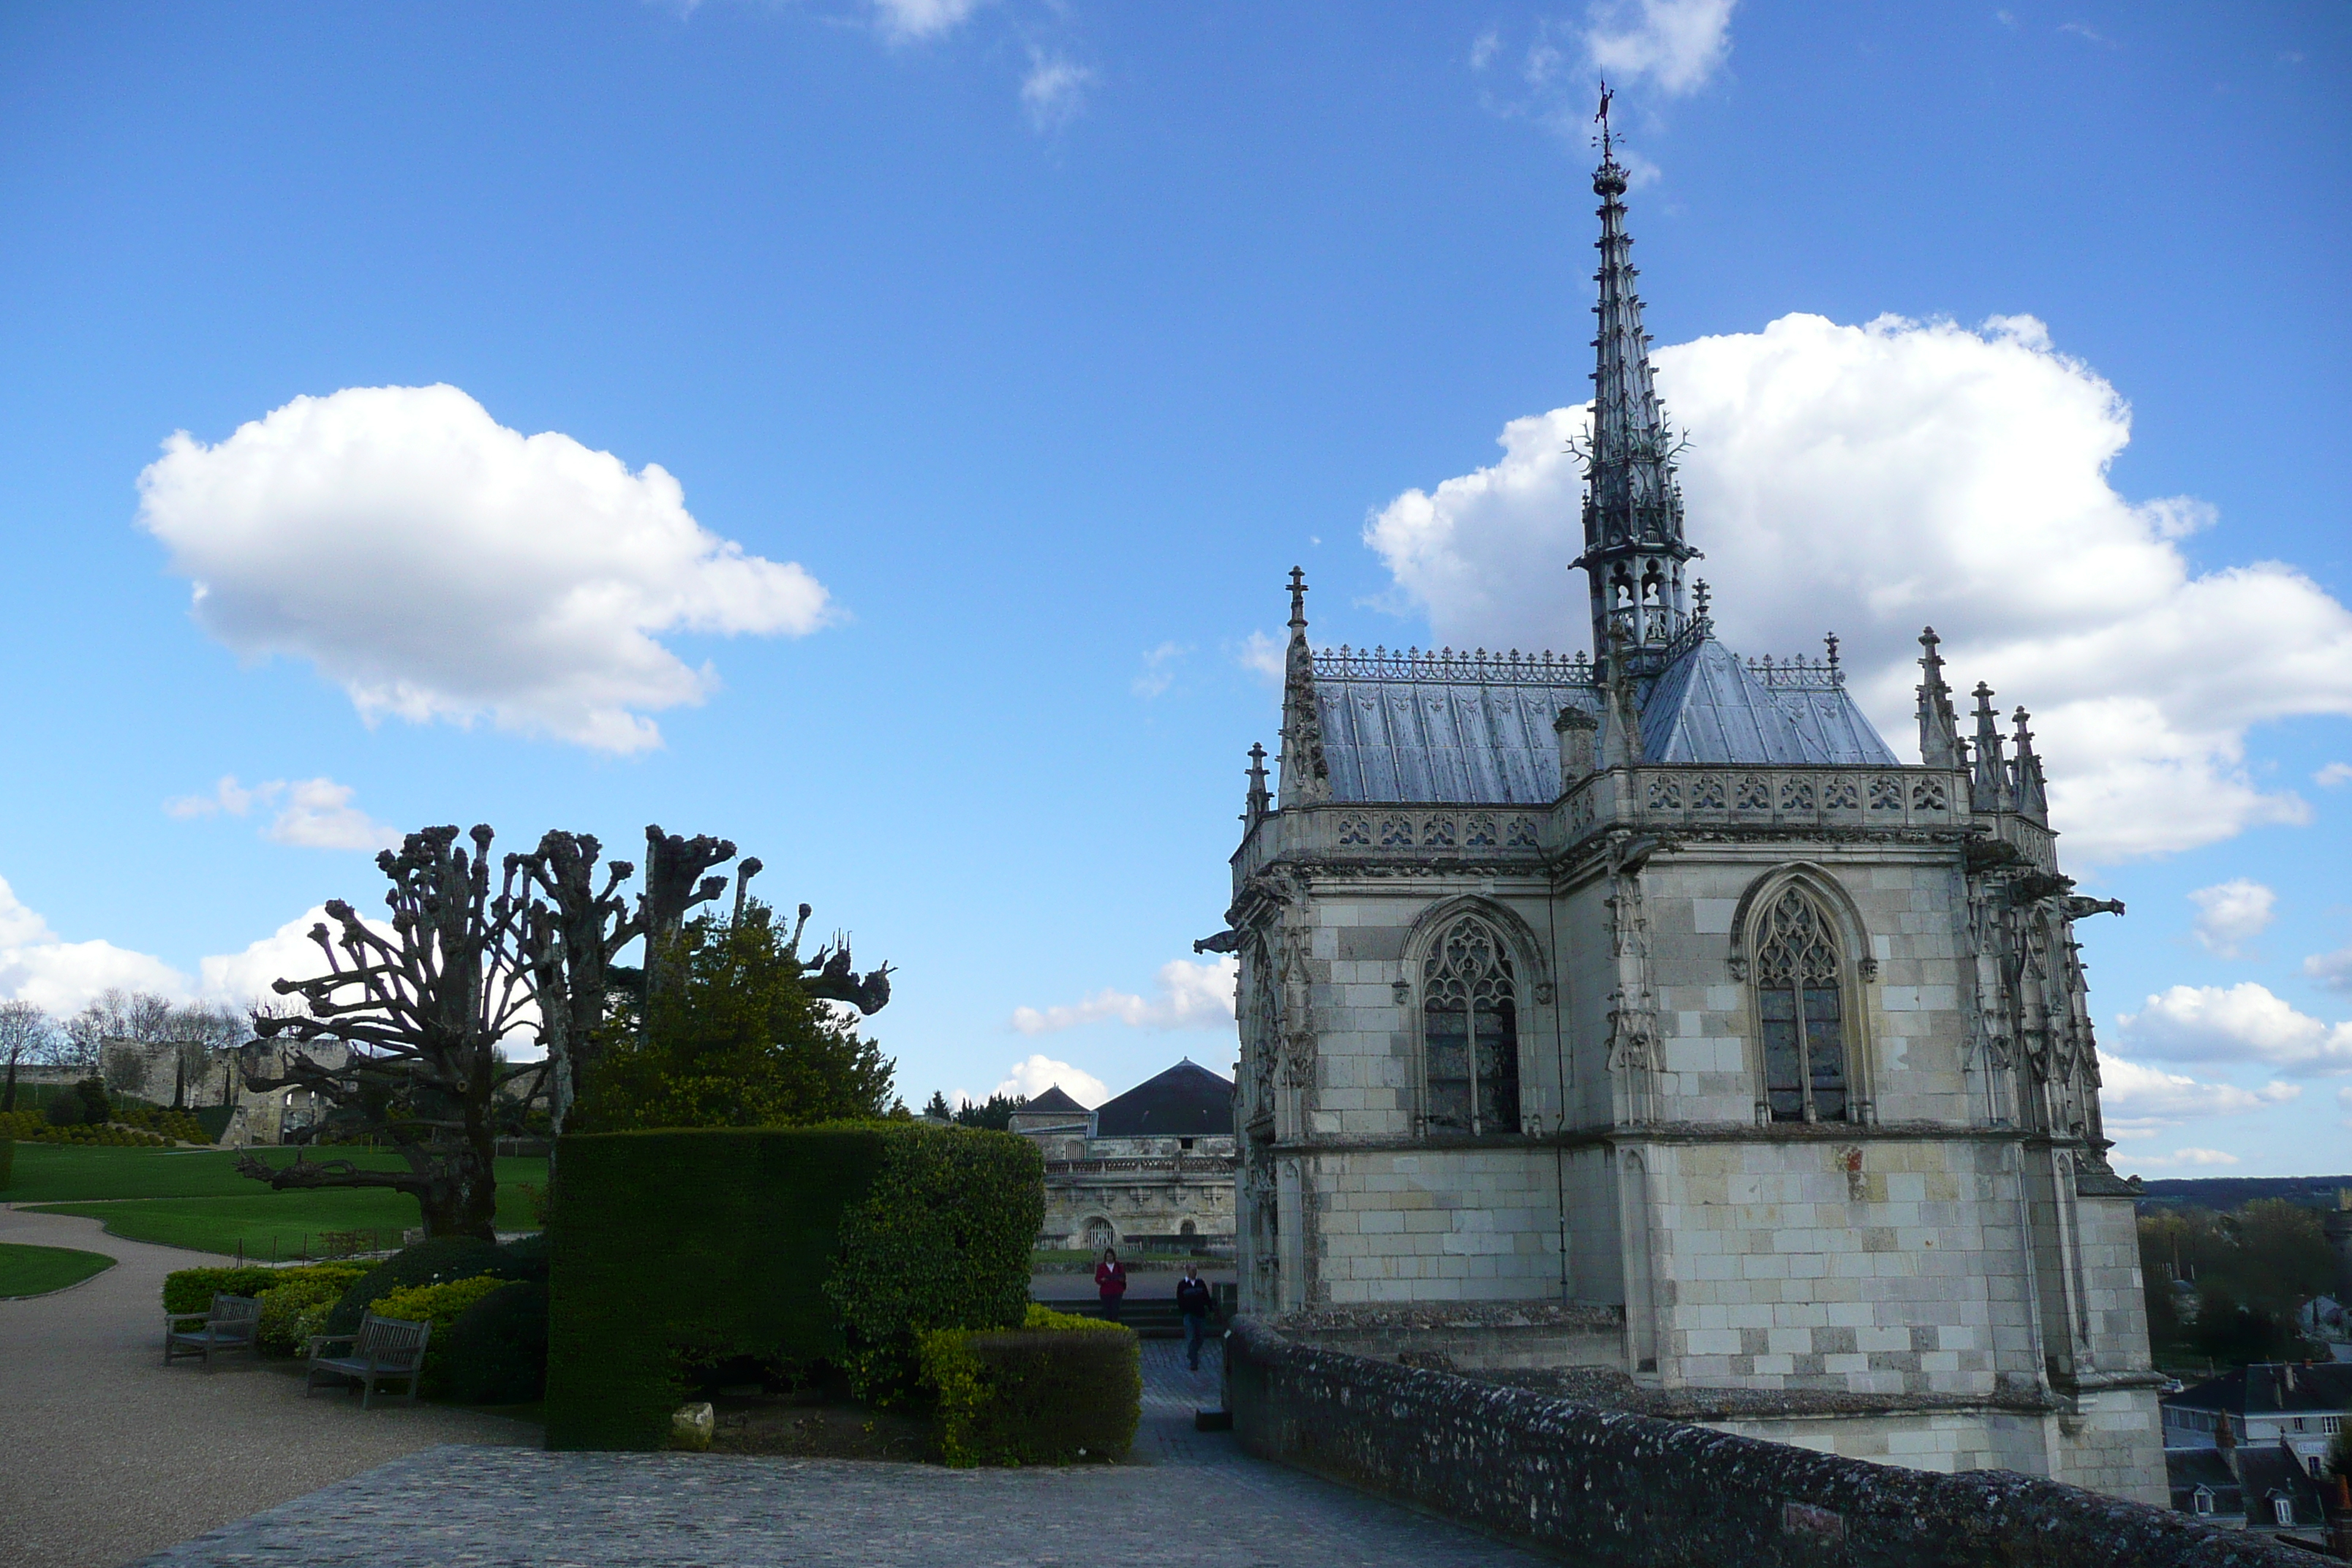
106, 1454
1195, 1500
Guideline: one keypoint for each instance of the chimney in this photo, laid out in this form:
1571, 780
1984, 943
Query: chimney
1578, 731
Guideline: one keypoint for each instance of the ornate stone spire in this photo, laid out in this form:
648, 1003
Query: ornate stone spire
1939, 726
1990, 789
2033, 794
1305, 776
1633, 547
1257, 803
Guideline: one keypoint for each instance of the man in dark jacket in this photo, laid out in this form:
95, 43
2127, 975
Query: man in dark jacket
1193, 1299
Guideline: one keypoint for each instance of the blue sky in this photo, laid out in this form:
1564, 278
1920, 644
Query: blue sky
1041, 341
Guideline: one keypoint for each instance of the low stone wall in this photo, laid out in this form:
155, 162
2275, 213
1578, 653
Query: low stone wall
1608, 1488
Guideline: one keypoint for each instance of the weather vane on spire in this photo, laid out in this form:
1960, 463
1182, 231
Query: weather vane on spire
1602, 117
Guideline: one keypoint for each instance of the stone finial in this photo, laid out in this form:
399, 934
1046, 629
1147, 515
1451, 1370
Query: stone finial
1297, 599
1991, 789
1259, 801
1939, 726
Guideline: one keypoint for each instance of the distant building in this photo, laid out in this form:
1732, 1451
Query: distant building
1152, 1168
2266, 1489
2301, 1405
188, 1075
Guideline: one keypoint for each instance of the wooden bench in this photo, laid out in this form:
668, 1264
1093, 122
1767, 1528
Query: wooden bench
231, 1323
386, 1349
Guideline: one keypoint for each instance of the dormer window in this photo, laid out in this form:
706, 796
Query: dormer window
2204, 1499
2283, 1509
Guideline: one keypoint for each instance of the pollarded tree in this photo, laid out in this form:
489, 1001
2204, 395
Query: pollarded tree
419, 1015
400, 1039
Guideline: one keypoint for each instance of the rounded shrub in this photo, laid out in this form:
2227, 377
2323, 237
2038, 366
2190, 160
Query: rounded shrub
496, 1352
435, 1262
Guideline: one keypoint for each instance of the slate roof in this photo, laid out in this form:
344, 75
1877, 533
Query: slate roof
1432, 728
1185, 1102
2263, 1389
2185, 1470
1053, 1102
1709, 706
2267, 1474
1478, 730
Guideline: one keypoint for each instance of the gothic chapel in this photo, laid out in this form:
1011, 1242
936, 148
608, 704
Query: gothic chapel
1644, 1019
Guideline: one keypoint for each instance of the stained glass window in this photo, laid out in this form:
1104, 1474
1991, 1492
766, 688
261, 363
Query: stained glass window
1803, 1012
1470, 1032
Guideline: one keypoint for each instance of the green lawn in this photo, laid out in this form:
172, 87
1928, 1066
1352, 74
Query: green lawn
195, 1198
37, 1270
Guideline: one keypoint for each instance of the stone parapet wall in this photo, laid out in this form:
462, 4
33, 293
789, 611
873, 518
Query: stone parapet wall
1608, 1488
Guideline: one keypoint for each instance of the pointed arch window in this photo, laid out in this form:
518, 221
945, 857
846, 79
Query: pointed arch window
1470, 1031
1800, 1001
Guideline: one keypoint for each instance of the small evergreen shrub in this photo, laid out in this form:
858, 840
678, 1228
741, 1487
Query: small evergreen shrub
296, 1303
941, 1240
435, 1262
7, 1159
63, 1111
192, 1289
440, 1305
96, 1110
496, 1352
1058, 1389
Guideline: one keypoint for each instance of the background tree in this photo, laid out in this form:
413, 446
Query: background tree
995, 1112
737, 1035
422, 1013
937, 1107
25, 1033
114, 1013
575, 930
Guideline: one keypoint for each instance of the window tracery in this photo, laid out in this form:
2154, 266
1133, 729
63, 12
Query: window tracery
1470, 1035
1802, 1006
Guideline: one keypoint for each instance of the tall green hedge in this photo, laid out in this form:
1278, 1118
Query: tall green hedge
674, 1250
7, 1160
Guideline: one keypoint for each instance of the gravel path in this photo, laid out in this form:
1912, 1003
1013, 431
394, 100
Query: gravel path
1196, 1501
109, 1455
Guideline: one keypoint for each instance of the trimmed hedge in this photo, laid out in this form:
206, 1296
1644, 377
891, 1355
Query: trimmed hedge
1057, 1389
496, 1352
788, 1246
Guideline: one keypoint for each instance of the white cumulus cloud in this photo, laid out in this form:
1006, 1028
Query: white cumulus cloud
1871, 479
904, 21
2231, 914
38, 967
436, 565
1032, 1076
315, 814
2243, 1023
1054, 90
1189, 995
2138, 1101
2333, 970
1677, 44
2334, 775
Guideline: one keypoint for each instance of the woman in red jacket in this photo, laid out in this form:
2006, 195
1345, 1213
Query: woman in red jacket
1110, 1281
